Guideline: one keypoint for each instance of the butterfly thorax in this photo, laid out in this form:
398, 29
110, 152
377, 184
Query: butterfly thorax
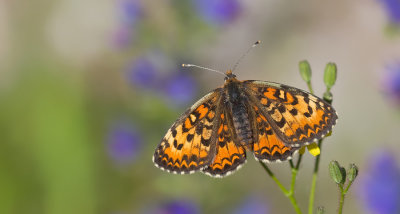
237, 103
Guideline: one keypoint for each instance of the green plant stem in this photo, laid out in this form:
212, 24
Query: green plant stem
287, 193
347, 188
299, 161
341, 201
314, 180
291, 164
310, 87
343, 192
271, 174
293, 183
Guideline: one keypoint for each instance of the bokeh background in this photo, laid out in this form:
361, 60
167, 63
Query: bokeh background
88, 88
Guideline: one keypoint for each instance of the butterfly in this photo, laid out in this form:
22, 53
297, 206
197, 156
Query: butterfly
270, 119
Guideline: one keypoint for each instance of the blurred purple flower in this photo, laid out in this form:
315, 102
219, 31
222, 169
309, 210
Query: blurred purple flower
143, 73
123, 37
392, 8
176, 207
391, 82
380, 186
180, 88
130, 12
253, 205
218, 12
124, 142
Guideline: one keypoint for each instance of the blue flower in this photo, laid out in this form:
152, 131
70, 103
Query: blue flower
180, 88
253, 205
391, 83
176, 207
143, 73
124, 142
380, 185
130, 11
393, 10
218, 12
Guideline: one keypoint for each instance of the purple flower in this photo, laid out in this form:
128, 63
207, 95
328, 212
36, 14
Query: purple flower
123, 142
130, 12
393, 10
122, 37
253, 205
143, 73
176, 207
218, 12
380, 185
391, 83
180, 88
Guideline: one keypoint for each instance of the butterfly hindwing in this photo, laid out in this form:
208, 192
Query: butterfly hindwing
230, 155
268, 147
296, 116
189, 144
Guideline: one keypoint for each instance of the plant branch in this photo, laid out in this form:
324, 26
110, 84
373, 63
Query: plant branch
299, 161
314, 180
287, 193
341, 200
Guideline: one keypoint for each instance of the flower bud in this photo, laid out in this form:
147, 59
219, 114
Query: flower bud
338, 174
352, 172
330, 75
314, 149
305, 71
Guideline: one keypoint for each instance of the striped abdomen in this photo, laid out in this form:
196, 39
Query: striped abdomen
241, 123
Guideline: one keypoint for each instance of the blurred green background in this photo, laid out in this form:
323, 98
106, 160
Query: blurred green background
89, 88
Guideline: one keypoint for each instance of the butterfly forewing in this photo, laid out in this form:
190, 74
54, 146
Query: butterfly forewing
189, 144
297, 117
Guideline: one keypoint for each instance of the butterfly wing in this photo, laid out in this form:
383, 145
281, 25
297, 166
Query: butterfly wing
267, 146
189, 144
296, 116
230, 155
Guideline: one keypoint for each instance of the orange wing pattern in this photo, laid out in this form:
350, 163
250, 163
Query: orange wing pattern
297, 117
189, 144
230, 154
275, 120
267, 146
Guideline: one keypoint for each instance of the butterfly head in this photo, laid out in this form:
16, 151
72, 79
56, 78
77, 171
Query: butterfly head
229, 76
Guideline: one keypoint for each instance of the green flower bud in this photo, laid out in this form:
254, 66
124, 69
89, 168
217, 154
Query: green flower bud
330, 75
338, 173
353, 172
305, 71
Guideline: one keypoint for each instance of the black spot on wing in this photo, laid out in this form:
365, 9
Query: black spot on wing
189, 137
174, 132
281, 123
293, 112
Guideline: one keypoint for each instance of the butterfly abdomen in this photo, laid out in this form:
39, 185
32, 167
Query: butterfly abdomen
241, 123
240, 116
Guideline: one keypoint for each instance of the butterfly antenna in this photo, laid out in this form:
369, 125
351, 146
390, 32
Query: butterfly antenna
248, 50
209, 69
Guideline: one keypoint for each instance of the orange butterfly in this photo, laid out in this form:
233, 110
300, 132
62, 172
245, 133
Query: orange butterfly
270, 119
